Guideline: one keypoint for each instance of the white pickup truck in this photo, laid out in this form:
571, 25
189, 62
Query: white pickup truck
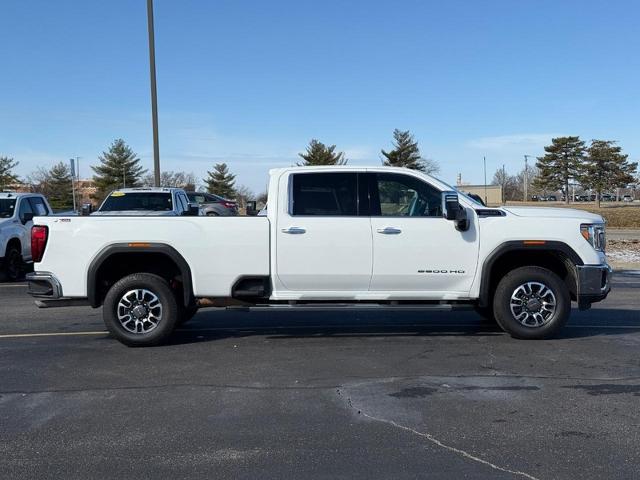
16, 213
332, 235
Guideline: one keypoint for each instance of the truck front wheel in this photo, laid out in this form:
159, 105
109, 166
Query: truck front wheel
531, 303
140, 310
13, 264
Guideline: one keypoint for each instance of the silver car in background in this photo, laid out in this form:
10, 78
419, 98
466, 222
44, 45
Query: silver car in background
213, 205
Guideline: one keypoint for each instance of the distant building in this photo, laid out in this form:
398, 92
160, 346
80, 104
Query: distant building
491, 194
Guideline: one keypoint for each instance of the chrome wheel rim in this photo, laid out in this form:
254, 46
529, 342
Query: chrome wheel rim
533, 304
139, 311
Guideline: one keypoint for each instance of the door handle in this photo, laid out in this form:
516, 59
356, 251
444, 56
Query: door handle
294, 230
389, 230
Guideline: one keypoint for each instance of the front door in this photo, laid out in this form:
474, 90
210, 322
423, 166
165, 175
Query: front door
322, 243
414, 248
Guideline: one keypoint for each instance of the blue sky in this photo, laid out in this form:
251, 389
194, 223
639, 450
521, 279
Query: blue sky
250, 83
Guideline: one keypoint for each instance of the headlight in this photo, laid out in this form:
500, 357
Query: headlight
594, 234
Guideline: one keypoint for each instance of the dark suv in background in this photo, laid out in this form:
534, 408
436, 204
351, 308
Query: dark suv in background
213, 205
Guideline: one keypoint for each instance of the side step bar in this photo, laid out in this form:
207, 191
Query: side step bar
62, 302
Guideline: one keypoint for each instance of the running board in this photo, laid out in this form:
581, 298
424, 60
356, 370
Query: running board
62, 302
350, 306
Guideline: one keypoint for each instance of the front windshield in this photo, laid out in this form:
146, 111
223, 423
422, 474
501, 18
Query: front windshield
7, 207
200, 198
143, 201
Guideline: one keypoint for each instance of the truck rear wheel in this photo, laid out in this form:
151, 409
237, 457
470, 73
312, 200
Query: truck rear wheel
140, 310
531, 303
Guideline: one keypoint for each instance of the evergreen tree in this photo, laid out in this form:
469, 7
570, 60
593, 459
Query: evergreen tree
221, 182
319, 154
119, 167
561, 163
7, 177
406, 154
606, 167
59, 187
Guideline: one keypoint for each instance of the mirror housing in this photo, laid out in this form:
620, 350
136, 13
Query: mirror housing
86, 209
26, 217
252, 209
452, 210
194, 210
450, 205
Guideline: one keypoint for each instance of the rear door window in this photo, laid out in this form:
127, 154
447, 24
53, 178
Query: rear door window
324, 194
25, 207
38, 206
153, 201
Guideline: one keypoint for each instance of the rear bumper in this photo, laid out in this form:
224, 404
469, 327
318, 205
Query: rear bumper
594, 284
44, 285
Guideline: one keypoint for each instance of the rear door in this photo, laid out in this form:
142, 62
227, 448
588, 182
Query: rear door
324, 235
414, 248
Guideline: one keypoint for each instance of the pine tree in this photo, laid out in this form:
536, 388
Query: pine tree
606, 167
7, 177
59, 188
406, 154
119, 167
561, 163
319, 154
221, 182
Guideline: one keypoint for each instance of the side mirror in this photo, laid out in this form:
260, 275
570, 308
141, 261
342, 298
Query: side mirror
86, 210
194, 210
251, 208
450, 205
26, 217
452, 210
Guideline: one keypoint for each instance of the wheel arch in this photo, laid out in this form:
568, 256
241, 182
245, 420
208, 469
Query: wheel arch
167, 262
554, 255
13, 241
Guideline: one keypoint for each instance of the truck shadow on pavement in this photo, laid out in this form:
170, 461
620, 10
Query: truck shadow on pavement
211, 325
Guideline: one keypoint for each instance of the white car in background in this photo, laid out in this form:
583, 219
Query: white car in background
147, 201
16, 213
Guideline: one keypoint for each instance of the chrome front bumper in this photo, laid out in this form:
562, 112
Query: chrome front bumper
44, 285
593, 284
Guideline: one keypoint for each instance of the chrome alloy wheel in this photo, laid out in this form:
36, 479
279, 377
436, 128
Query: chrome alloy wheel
533, 304
139, 311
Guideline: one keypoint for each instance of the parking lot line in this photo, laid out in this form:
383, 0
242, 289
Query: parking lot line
298, 327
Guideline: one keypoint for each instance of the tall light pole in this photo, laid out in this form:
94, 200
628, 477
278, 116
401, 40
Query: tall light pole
154, 94
484, 161
526, 176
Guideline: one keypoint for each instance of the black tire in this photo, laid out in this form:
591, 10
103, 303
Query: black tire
212, 214
13, 264
186, 313
169, 312
552, 323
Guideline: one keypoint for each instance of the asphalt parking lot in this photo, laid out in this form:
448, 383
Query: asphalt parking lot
356, 394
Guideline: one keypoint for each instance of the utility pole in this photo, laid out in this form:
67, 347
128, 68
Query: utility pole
124, 178
484, 161
73, 178
504, 181
154, 94
526, 177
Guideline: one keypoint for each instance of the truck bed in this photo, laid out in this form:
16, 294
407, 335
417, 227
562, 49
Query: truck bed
219, 250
